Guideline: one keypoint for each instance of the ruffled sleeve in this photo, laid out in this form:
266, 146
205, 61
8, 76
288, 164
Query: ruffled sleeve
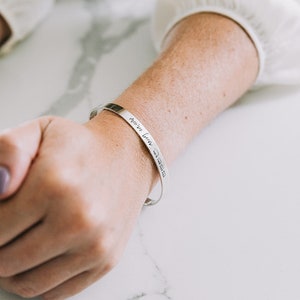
22, 16
273, 25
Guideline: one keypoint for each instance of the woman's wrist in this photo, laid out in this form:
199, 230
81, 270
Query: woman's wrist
5, 31
128, 150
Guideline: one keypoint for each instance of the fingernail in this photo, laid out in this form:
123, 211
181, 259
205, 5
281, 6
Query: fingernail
4, 180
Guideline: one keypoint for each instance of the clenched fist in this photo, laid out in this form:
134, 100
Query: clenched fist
72, 196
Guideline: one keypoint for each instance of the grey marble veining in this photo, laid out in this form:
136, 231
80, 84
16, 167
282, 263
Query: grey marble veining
106, 32
159, 275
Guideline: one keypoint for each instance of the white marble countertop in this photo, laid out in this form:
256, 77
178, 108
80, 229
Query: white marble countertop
230, 226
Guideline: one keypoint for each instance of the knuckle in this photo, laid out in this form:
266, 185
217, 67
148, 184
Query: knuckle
110, 264
101, 248
80, 222
58, 184
86, 222
81, 218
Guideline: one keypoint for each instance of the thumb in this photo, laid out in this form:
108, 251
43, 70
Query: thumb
18, 148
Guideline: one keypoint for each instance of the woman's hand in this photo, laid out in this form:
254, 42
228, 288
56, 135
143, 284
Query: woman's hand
81, 192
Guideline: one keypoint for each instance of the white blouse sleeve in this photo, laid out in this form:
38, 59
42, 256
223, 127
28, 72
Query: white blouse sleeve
22, 16
273, 25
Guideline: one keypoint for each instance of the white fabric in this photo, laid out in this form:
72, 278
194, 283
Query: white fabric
22, 17
273, 25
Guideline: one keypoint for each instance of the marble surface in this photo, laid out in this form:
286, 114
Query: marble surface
229, 228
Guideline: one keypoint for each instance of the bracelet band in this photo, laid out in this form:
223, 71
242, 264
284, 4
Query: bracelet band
147, 139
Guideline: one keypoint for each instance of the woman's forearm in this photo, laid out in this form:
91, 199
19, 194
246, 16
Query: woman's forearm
4, 30
207, 64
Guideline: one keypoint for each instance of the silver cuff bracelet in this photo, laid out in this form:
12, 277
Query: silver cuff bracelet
147, 139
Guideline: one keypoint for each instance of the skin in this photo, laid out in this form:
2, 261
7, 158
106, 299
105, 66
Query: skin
74, 206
